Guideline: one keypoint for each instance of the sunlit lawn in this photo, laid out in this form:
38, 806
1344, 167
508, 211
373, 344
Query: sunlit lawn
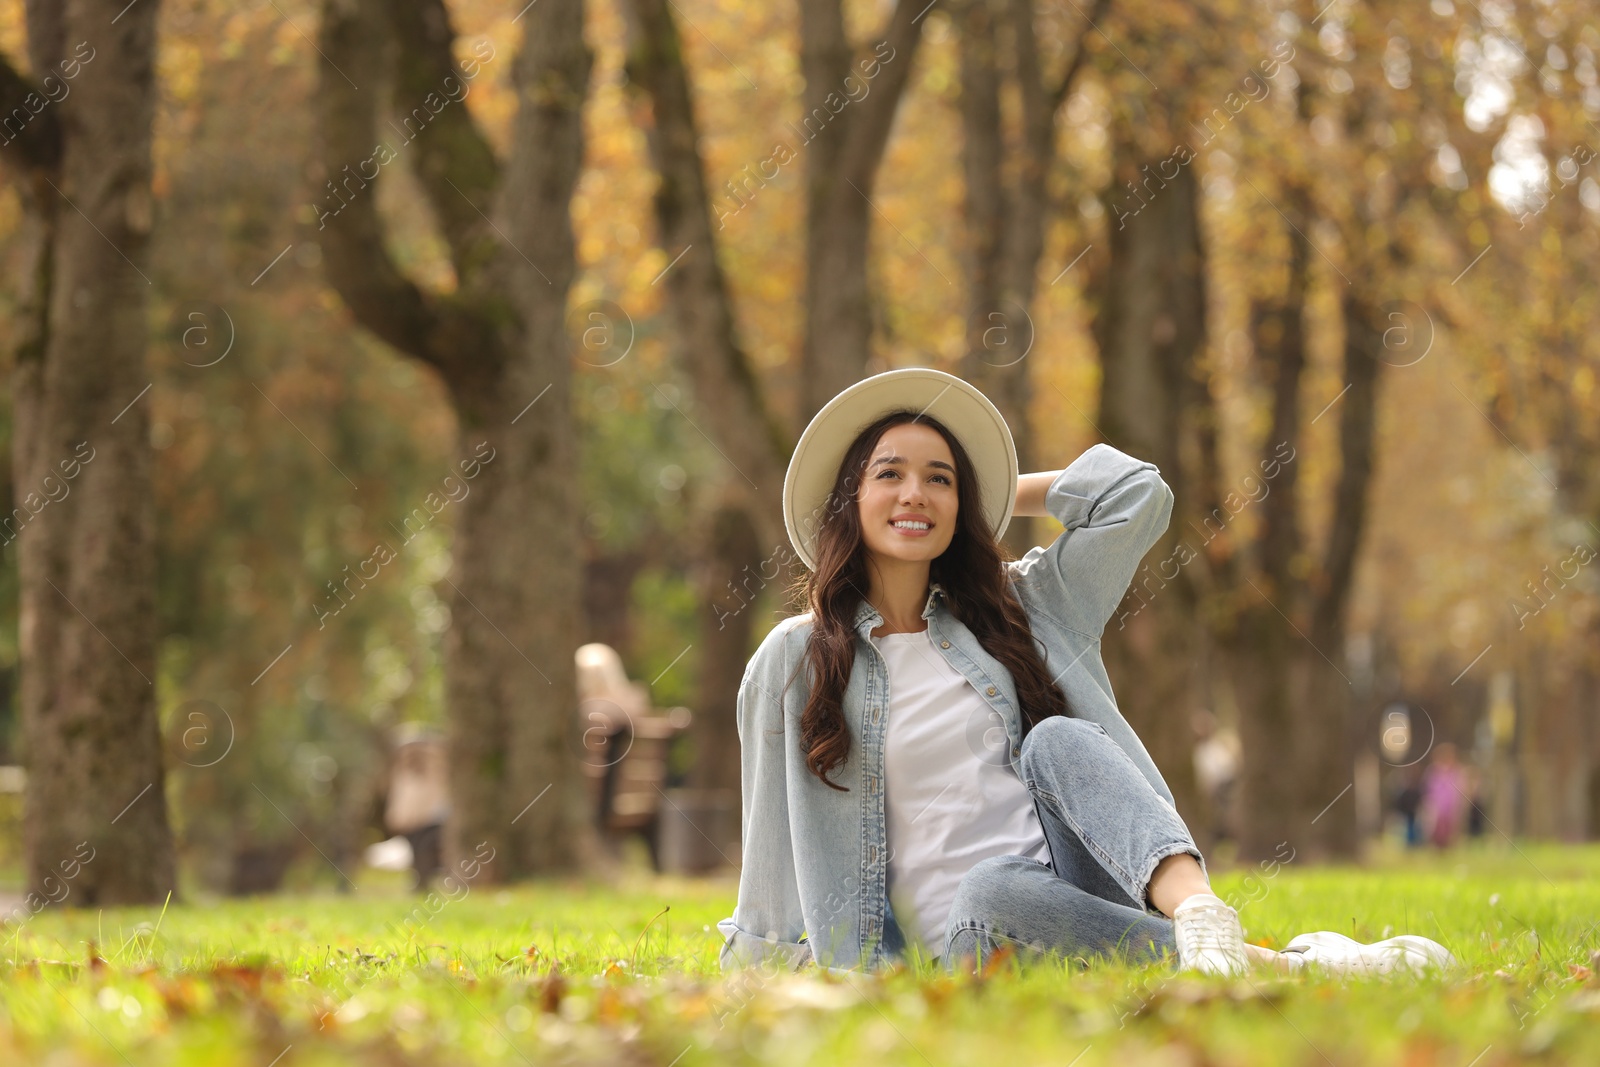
627, 973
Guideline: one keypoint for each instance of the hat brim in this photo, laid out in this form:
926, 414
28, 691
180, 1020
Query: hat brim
954, 402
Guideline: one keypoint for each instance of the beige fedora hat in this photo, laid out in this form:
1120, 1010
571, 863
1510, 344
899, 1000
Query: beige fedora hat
954, 402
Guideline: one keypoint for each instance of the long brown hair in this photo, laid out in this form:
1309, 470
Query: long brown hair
971, 571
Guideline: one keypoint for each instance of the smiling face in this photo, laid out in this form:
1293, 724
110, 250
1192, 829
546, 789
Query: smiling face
907, 500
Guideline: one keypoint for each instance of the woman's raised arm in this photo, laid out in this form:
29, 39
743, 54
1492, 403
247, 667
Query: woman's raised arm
1114, 507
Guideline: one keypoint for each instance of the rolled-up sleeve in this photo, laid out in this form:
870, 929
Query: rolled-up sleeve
767, 923
1114, 508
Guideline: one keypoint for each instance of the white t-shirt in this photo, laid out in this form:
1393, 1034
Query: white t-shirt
951, 796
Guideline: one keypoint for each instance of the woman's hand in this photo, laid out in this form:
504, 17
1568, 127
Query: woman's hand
1030, 493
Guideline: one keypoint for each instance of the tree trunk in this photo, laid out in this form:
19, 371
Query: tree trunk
999, 330
95, 813
1261, 646
843, 144
746, 549
1149, 327
1325, 752
537, 518
608, 598
726, 387
499, 342
1007, 222
734, 576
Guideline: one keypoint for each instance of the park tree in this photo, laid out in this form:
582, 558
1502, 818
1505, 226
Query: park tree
77, 128
1010, 200
1150, 276
846, 133
849, 102
1524, 310
744, 519
497, 339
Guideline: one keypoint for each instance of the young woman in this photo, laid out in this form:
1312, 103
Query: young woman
932, 756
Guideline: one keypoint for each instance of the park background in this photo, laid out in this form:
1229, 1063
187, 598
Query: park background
413, 346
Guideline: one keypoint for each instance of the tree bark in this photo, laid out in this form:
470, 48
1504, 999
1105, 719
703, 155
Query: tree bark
843, 145
728, 398
1149, 326
499, 343
95, 814
1326, 752
1007, 221
1271, 784
533, 519
733, 575
726, 386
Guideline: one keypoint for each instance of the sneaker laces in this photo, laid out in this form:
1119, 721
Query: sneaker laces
1209, 936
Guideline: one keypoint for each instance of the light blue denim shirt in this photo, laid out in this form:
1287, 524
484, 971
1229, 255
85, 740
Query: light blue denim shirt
813, 884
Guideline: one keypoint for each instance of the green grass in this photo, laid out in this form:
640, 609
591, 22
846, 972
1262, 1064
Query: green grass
627, 972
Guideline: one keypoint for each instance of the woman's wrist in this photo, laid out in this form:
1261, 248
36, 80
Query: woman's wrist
1031, 490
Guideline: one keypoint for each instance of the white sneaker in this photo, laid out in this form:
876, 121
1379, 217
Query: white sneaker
1210, 939
1345, 956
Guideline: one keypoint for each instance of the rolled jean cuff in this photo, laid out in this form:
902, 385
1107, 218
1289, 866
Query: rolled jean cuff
1154, 860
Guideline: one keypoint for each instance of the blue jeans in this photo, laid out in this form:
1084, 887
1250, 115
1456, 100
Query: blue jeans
1107, 829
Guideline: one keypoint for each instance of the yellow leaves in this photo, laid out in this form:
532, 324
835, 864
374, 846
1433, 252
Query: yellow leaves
182, 996
937, 991
179, 63
612, 1006
999, 961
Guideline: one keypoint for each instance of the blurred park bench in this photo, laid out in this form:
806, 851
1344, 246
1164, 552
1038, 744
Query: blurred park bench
624, 748
626, 743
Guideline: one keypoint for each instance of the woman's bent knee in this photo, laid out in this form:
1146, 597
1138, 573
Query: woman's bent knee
993, 886
1061, 733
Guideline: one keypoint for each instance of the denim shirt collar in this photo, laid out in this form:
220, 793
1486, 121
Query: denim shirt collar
868, 618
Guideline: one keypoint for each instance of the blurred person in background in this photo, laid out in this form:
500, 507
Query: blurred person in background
1216, 768
1477, 818
1444, 796
1408, 804
418, 800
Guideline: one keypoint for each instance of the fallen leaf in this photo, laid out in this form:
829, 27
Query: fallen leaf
1000, 960
610, 1007
551, 992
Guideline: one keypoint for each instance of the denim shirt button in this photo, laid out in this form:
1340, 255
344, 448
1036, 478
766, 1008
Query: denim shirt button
991, 690
944, 644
